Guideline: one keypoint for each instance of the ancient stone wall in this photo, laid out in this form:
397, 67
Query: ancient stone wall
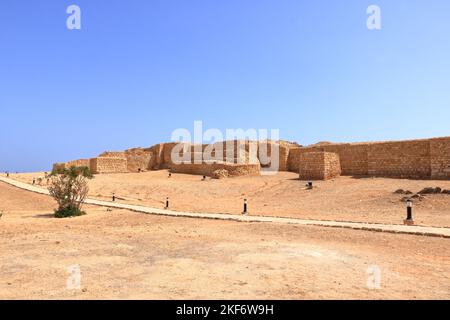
295, 155
138, 159
417, 159
319, 166
108, 165
353, 157
402, 159
113, 154
207, 168
440, 158
74, 163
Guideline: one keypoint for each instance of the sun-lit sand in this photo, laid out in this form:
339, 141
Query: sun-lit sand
341, 199
123, 254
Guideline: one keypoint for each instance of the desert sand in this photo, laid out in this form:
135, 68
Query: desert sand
341, 199
128, 255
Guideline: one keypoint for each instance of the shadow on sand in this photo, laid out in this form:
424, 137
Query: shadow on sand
44, 216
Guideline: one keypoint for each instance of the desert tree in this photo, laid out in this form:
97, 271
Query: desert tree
69, 187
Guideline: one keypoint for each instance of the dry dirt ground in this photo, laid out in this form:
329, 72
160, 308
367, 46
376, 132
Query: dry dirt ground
342, 199
127, 255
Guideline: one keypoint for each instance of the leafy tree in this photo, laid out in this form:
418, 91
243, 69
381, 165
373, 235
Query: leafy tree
69, 187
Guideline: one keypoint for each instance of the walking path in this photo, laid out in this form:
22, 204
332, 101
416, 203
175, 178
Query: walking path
416, 230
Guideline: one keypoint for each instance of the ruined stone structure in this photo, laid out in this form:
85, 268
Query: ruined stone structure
319, 166
417, 159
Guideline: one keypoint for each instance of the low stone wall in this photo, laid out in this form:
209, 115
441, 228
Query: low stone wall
207, 168
192, 168
74, 163
319, 166
113, 154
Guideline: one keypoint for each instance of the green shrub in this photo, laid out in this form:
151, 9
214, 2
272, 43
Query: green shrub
73, 172
69, 211
69, 188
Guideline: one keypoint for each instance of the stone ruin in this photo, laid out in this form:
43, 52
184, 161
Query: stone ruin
238, 158
319, 166
415, 159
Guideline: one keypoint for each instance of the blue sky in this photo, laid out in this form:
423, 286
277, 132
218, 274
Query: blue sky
138, 70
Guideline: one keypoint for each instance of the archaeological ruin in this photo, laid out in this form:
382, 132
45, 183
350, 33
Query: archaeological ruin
414, 159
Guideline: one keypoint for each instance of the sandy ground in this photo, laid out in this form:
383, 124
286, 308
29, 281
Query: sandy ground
341, 199
128, 255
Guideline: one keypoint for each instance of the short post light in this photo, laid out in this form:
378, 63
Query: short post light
114, 197
245, 207
409, 221
167, 203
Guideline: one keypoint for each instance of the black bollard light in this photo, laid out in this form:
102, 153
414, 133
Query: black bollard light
114, 197
409, 213
167, 203
245, 207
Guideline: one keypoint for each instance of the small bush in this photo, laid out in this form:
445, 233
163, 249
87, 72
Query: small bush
70, 211
73, 172
69, 188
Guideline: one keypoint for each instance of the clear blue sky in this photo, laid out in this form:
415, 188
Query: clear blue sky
137, 70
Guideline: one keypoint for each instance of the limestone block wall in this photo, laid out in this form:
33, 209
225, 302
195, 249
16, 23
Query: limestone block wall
113, 154
265, 148
235, 170
207, 168
402, 159
157, 156
138, 158
319, 166
74, 163
416, 159
419, 159
295, 156
108, 165
353, 157
440, 158
192, 168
